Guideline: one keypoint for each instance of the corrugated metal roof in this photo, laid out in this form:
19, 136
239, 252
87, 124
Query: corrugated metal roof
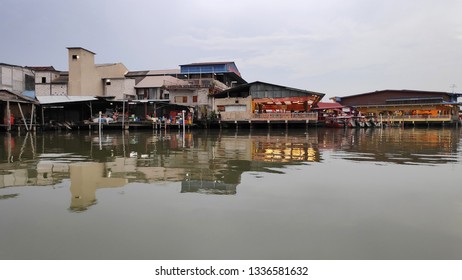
159, 81
208, 63
107, 64
136, 73
64, 99
42, 68
6, 95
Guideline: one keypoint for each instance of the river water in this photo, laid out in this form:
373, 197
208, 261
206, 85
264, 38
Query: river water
388, 193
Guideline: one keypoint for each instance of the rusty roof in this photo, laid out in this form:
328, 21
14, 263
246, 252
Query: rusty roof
42, 68
6, 95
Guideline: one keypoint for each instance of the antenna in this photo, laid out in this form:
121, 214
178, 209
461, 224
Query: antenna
453, 86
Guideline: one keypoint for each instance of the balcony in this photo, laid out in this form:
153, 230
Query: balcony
287, 116
268, 117
419, 118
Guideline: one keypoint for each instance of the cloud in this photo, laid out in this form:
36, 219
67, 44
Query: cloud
329, 45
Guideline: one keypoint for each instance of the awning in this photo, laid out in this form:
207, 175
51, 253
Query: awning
284, 100
44, 100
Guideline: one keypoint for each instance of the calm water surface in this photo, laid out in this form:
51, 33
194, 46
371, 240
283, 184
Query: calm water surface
316, 194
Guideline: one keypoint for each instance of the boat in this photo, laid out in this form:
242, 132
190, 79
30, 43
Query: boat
338, 121
103, 120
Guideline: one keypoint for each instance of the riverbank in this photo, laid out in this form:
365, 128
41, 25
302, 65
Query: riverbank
218, 124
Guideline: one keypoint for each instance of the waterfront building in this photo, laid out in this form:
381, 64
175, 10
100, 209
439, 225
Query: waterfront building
17, 91
77, 95
334, 114
49, 81
405, 107
17, 79
261, 102
152, 94
69, 98
102, 80
16, 109
190, 86
326, 109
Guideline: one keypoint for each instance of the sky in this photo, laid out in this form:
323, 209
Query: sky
336, 47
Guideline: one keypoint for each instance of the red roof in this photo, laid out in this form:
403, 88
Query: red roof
328, 105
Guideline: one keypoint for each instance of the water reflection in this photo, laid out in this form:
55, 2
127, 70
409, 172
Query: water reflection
86, 178
7, 196
398, 146
208, 162
315, 194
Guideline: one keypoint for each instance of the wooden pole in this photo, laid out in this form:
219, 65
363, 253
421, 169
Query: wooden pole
32, 116
43, 118
8, 115
22, 115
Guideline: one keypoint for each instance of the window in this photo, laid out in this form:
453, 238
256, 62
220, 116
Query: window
44, 80
181, 99
235, 108
178, 99
195, 99
75, 57
29, 82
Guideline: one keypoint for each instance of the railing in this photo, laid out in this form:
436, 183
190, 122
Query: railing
285, 116
417, 118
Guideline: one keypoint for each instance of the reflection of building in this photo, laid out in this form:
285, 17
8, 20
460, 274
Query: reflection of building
210, 163
394, 145
86, 178
11, 178
207, 187
288, 150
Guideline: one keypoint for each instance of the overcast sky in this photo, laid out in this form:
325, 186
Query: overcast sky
337, 47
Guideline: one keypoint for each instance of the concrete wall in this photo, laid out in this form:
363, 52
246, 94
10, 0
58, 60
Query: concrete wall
228, 103
48, 75
13, 78
88, 79
109, 71
119, 87
202, 97
51, 90
83, 77
47, 88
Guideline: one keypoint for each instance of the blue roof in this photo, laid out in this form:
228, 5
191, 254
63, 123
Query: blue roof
209, 67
